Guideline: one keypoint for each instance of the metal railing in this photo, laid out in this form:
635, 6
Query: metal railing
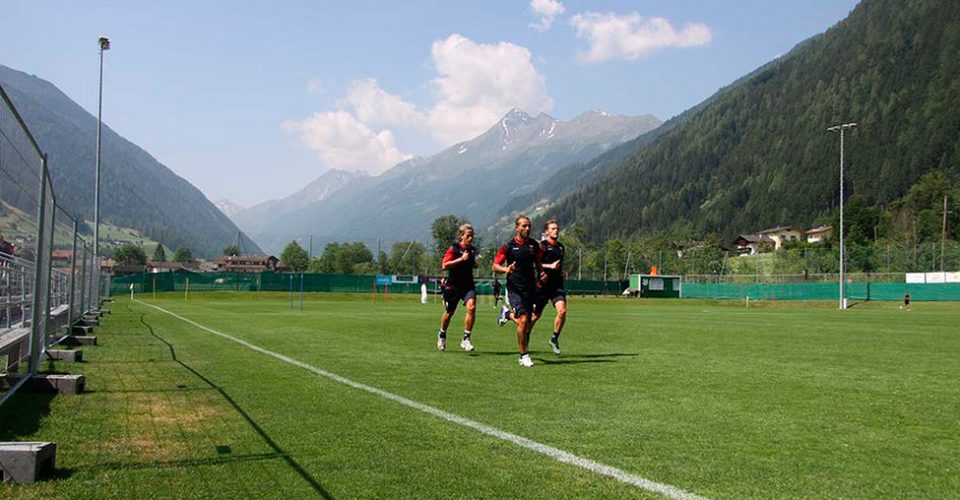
48, 277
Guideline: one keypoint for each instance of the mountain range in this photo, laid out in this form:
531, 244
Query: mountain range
472, 179
136, 190
758, 154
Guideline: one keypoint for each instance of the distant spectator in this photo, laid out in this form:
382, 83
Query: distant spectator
6, 247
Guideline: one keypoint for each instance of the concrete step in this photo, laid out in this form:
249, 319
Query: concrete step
27, 462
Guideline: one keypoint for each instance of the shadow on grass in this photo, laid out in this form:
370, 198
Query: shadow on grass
563, 361
194, 463
278, 452
141, 391
21, 415
568, 358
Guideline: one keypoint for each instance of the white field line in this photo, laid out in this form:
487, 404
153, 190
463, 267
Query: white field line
554, 453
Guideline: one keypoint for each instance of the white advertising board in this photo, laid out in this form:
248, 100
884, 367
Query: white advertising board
937, 277
915, 278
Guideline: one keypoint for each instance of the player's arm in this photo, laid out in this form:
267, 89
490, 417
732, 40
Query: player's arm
450, 259
500, 260
538, 263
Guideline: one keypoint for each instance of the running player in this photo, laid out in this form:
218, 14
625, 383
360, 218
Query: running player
520, 259
551, 286
459, 262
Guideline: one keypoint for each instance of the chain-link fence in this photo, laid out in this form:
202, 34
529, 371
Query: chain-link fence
44, 287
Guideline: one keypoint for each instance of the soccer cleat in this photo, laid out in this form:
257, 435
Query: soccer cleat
466, 345
504, 316
441, 343
555, 345
525, 361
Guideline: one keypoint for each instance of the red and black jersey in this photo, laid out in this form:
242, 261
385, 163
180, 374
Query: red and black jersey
553, 252
527, 255
460, 276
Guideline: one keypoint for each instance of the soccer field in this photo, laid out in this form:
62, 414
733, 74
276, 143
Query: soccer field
238, 395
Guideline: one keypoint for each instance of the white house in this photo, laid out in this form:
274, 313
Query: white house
782, 234
819, 234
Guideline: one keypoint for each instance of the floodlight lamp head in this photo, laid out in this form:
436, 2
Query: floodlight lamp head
104, 43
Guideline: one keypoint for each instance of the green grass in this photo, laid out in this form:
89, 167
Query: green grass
780, 401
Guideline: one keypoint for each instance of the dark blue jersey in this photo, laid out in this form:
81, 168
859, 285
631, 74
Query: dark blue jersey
553, 252
526, 255
460, 276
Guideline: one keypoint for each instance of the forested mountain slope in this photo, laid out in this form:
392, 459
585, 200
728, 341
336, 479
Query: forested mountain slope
760, 155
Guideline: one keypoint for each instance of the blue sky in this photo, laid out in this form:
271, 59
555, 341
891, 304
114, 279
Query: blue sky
251, 100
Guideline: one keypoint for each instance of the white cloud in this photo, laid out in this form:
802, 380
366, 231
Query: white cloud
478, 83
373, 105
632, 35
546, 11
344, 142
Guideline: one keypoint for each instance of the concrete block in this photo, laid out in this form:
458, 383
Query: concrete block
63, 384
26, 462
82, 329
88, 322
70, 356
80, 340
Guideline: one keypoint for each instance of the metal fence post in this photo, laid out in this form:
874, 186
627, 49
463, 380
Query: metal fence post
73, 277
38, 323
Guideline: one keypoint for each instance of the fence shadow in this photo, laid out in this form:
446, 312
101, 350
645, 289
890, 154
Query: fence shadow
277, 450
21, 415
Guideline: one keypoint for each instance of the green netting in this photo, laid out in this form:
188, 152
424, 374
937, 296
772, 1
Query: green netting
822, 291
283, 282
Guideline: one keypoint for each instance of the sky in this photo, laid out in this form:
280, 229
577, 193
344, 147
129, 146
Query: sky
252, 100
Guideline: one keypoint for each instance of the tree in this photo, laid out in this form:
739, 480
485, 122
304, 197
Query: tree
295, 257
444, 230
183, 254
231, 250
383, 263
405, 257
130, 255
345, 258
160, 255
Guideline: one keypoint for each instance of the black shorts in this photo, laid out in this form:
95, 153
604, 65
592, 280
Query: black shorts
552, 295
453, 296
522, 303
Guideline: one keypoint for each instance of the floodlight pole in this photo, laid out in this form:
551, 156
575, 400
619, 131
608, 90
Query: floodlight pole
841, 128
104, 46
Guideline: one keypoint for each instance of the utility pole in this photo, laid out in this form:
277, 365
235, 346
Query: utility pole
841, 129
943, 234
579, 262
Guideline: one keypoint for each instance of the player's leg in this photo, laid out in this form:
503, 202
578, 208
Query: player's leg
560, 304
450, 298
522, 317
470, 301
505, 310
